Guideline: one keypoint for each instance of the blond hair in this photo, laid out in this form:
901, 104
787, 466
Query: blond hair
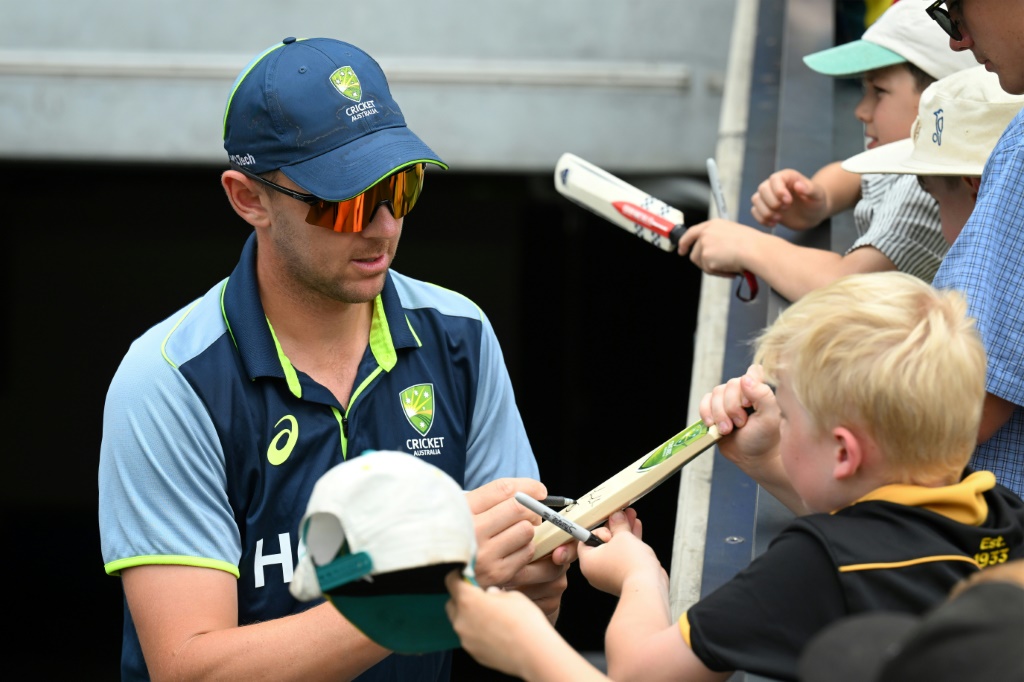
889, 354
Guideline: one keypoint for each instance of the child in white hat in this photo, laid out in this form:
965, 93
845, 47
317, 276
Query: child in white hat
897, 222
959, 121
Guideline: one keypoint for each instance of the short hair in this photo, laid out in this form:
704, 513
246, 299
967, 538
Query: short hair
921, 77
888, 353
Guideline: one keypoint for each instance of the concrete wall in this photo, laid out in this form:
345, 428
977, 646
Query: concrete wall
504, 86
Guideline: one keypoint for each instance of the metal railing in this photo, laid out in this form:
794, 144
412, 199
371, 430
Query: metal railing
776, 113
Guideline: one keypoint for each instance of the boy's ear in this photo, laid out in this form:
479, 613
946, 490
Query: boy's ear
849, 452
244, 198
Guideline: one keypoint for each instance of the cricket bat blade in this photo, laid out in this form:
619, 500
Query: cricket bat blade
618, 202
628, 486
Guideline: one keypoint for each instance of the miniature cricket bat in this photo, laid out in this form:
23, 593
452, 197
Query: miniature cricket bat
627, 486
632, 209
619, 202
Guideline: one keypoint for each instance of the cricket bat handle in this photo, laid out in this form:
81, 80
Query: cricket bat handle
675, 235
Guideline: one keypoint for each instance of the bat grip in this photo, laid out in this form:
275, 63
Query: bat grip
675, 235
748, 277
751, 282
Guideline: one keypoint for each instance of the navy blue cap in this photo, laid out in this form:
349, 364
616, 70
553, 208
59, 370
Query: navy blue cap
320, 111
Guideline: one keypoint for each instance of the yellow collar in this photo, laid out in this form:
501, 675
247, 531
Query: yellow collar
963, 502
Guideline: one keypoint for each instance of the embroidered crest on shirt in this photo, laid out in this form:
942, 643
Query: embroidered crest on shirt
418, 405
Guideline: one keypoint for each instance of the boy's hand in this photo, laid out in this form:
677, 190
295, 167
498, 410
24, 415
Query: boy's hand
716, 246
624, 554
790, 198
493, 625
757, 437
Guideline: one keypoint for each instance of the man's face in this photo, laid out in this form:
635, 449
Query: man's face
338, 266
993, 30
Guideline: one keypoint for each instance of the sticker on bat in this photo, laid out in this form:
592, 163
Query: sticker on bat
688, 436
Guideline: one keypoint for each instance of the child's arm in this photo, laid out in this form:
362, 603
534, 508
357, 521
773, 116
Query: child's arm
724, 248
751, 441
799, 203
508, 632
642, 641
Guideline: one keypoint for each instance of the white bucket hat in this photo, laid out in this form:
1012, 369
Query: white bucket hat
960, 119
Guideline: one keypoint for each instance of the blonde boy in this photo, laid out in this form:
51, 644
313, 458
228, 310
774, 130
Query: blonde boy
878, 381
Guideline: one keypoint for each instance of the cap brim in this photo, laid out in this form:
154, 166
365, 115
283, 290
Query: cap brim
403, 611
887, 158
855, 648
852, 59
898, 158
353, 168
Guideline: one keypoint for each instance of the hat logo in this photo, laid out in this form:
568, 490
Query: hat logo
346, 82
691, 434
418, 403
937, 135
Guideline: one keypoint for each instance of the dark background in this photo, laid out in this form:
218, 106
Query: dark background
597, 328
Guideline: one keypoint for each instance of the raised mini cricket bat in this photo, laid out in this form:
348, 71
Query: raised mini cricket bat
619, 202
627, 486
632, 209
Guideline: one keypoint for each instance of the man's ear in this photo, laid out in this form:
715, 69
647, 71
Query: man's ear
849, 453
973, 182
245, 198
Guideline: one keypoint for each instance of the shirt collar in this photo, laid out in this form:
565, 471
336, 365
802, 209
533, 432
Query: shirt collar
253, 337
963, 502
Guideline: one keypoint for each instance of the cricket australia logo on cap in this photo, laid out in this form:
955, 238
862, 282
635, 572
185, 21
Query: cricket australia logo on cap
418, 405
346, 82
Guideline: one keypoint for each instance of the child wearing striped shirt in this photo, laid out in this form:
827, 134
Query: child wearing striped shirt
897, 222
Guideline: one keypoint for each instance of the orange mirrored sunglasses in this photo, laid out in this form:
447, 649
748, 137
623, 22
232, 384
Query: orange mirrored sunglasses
398, 191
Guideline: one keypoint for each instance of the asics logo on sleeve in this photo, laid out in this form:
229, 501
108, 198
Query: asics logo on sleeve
281, 447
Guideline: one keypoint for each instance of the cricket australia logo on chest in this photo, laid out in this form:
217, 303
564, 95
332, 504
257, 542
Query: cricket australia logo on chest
418, 405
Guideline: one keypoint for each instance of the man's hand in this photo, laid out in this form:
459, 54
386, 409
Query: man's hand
504, 528
543, 581
504, 533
